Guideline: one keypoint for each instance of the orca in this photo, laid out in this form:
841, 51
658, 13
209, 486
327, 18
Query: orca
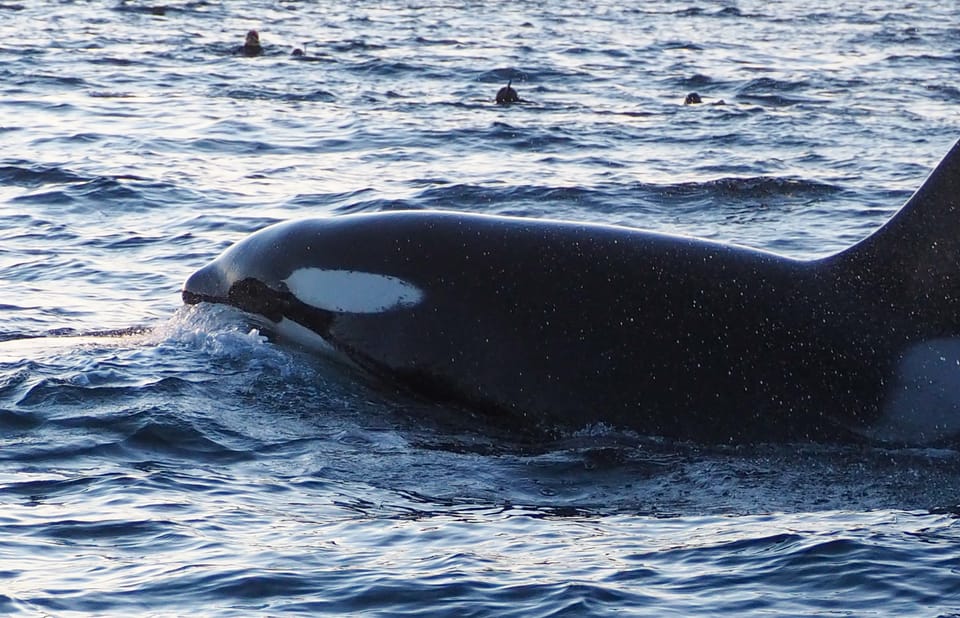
560, 324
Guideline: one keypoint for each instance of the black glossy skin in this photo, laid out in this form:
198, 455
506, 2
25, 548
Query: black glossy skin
559, 323
507, 95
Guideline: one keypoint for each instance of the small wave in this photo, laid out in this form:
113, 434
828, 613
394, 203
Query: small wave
83, 137
325, 200
49, 198
441, 42
693, 11
46, 79
945, 91
28, 174
313, 96
397, 68
18, 420
766, 84
95, 388
679, 44
552, 201
496, 76
777, 100
758, 187
98, 190
581, 50
268, 94
111, 94
115, 531
219, 145
695, 81
343, 47
50, 487
921, 60
126, 7
546, 74
378, 205
179, 438
491, 198
114, 61
772, 92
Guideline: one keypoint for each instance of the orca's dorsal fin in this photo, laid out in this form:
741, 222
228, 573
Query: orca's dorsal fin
915, 257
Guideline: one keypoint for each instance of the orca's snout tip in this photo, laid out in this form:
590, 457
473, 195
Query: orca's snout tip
205, 285
190, 298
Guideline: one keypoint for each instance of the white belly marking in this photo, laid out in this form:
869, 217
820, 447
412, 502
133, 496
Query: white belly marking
923, 405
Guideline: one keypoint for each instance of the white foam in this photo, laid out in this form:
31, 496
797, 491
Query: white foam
923, 406
351, 291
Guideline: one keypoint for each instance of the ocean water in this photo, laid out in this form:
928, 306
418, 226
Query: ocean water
159, 460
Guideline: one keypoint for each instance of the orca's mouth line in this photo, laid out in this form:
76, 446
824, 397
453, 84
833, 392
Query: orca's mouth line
248, 294
258, 299
192, 298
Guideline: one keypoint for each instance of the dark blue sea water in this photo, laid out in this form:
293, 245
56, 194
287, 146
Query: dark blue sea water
163, 461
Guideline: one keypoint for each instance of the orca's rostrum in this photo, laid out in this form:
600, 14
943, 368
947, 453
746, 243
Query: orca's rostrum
555, 323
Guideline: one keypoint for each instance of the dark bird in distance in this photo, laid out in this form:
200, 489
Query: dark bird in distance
251, 46
507, 95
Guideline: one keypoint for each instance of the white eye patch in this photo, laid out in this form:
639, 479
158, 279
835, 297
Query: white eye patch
351, 291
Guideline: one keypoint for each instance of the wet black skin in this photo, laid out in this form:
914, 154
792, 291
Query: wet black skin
566, 324
507, 95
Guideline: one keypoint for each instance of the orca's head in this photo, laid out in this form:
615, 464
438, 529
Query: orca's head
211, 285
248, 275
301, 270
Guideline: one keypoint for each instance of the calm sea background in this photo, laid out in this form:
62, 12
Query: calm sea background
161, 461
